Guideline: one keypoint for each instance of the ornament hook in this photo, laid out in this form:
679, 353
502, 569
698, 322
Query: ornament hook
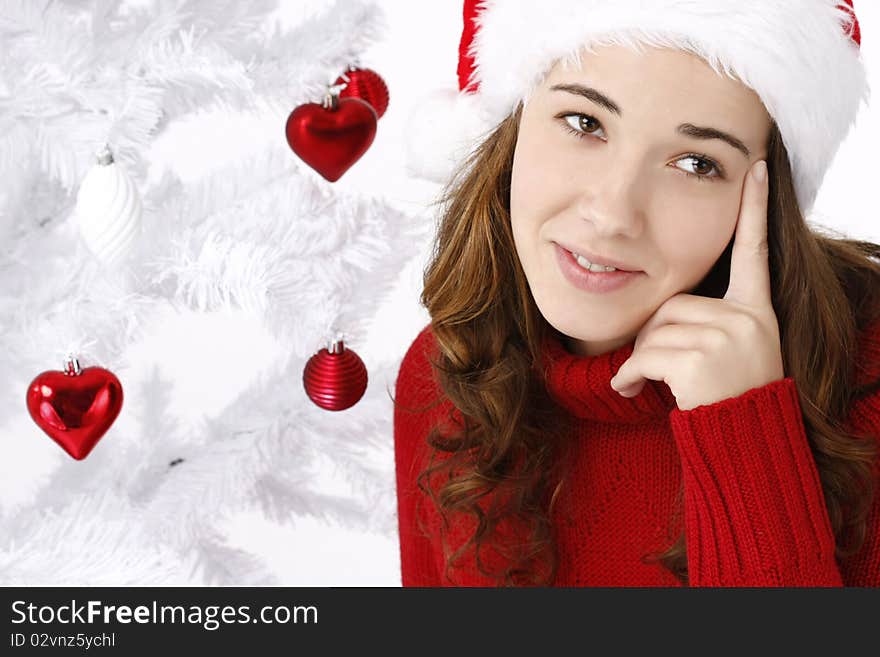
331, 99
337, 344
71, 366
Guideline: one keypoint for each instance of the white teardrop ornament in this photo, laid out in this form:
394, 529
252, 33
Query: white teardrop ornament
108, 210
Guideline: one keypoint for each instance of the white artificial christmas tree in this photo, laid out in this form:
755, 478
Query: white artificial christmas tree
261, 262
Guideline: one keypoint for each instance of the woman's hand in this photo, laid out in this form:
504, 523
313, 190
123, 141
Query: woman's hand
709, 349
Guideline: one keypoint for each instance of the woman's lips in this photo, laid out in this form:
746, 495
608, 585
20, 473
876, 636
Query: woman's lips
589, 281
593, 258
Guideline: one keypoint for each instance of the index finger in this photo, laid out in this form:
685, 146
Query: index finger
749, 266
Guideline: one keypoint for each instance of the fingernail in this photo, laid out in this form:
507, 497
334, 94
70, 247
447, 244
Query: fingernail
759, 173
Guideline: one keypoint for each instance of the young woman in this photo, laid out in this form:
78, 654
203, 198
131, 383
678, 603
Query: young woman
643, 367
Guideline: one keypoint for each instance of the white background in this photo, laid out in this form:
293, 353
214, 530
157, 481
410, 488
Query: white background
419, 54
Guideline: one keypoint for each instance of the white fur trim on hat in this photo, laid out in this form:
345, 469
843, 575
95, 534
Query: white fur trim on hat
440, 132
794, 54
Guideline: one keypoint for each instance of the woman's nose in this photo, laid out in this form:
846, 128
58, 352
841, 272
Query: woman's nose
614, 201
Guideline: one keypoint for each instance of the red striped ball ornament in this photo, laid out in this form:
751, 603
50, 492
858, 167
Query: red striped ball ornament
336, 378
366, 84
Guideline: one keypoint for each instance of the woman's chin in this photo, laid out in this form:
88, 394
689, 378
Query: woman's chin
582, 329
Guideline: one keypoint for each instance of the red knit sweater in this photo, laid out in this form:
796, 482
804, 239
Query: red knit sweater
754, 511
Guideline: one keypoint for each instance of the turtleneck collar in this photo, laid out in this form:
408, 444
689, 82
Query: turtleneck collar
581, 385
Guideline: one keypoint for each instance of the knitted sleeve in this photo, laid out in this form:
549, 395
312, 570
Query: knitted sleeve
863, 568
755, 511
413, 391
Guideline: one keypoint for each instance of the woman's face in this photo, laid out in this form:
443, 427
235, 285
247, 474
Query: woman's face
616, 184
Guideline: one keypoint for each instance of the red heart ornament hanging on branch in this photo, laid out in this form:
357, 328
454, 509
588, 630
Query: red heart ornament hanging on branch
331, 137
75, 407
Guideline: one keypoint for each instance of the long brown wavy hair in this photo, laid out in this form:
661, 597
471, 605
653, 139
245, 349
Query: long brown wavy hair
505, 461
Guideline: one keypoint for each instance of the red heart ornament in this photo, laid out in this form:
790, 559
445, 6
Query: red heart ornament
331, 140
75, 410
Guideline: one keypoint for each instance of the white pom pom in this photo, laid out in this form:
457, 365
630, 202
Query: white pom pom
108, 210
442, 129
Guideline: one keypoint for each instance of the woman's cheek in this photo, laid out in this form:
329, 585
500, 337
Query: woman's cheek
692, 238
535, 180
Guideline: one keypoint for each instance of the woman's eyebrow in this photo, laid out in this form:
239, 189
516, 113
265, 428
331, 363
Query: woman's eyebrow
687, 129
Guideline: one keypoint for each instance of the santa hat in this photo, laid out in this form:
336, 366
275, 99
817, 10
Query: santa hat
802, 58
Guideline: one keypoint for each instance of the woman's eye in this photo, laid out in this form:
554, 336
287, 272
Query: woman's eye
703, 167
583, 125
